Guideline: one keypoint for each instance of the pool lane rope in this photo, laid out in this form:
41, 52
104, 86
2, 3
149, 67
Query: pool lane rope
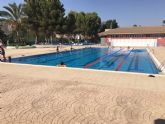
134, 64
113, 60
123, 61
100, 59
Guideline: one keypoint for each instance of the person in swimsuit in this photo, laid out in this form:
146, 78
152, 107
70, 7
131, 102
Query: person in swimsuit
62, 64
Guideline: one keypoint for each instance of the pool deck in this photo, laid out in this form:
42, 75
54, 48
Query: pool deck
53, 95
38, 50
159, 52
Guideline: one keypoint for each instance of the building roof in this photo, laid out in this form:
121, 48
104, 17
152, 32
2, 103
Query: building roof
134, 30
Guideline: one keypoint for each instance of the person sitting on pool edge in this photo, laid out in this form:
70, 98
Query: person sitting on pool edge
62, 64
6, 60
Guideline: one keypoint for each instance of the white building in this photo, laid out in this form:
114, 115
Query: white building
134, 36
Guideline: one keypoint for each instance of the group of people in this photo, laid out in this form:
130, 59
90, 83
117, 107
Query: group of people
58, 48
2, 53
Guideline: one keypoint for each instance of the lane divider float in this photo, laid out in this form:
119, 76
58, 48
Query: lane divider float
123, 61
100, 59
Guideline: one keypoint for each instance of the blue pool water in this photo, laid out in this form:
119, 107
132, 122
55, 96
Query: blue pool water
132, 60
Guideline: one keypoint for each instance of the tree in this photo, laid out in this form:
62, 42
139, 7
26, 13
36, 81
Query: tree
114, 24
33, 15
13, 15
87, 24
135, 25
111, 24
80, 23
3, 36
70, 23
57, 16
93, 23
163, 22
46, 16
102, 27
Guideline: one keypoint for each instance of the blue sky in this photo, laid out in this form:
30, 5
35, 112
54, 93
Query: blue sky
126, 12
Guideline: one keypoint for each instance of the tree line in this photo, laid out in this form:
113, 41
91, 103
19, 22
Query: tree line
43, 19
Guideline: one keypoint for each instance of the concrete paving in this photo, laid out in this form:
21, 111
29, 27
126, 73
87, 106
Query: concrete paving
53, 95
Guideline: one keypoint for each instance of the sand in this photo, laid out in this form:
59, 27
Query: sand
38, 50
53, 95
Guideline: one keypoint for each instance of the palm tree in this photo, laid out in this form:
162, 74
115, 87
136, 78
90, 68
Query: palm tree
13, 15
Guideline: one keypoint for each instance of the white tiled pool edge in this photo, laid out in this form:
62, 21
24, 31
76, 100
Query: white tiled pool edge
82, 69
157, 63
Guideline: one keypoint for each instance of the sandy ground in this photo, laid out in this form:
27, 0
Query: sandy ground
39, 50
52, 95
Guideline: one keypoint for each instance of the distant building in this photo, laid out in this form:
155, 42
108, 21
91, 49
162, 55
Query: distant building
134, 36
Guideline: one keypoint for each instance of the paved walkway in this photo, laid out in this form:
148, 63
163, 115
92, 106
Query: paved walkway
159, 52
38, 50
50, 95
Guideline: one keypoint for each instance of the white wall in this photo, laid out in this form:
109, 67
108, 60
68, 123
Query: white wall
134, 42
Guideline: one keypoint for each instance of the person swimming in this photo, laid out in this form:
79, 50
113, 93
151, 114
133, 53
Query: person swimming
62, 64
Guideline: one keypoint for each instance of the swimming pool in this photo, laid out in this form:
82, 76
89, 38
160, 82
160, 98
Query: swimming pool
132, 60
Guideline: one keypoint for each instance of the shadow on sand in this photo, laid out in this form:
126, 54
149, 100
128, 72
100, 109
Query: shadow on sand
159, 121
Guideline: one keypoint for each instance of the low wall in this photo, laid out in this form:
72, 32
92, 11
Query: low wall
161, 41
132, 42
